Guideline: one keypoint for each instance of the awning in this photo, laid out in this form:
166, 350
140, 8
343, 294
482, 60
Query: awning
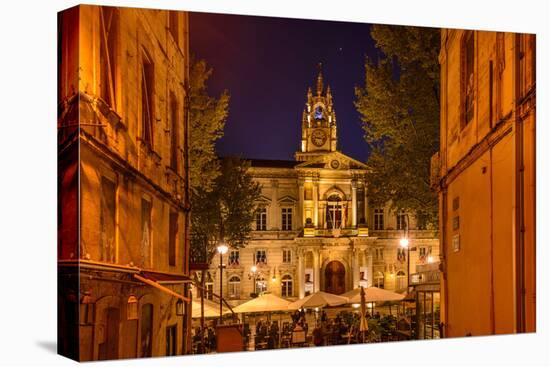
165, 277
162, 288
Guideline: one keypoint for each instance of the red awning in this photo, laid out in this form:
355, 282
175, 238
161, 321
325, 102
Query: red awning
165, 277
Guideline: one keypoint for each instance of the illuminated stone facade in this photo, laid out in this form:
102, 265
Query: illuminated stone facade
485, 175
123, 75
314, 228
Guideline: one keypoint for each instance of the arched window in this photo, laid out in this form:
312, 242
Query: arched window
234, 287
401, 280
334, 212
286, 286
379, 279
261, 285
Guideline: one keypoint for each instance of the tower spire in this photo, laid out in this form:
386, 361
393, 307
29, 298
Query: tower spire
320, 80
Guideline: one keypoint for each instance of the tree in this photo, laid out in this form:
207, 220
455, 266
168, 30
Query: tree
207, 116
226, 211
399, 108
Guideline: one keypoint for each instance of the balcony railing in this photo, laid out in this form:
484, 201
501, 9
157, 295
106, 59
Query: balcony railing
344, 232
425, 277
398, 233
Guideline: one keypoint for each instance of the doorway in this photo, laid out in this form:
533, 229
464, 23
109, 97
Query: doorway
109, 348
335, 277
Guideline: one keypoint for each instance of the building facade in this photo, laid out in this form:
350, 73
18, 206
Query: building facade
123, 220
485, 175
314, 228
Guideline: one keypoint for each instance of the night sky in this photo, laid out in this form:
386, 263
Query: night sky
267, 64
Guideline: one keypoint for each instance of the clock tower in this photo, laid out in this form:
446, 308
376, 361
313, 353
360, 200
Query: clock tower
318, 123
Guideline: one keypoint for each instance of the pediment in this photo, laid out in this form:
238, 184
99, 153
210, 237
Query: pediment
263, 200
333, 160
287, 200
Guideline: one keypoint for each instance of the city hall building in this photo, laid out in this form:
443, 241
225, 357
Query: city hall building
314, 227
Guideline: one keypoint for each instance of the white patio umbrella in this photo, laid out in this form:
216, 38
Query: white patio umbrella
372, 294
266, 302
318, 299
211, 309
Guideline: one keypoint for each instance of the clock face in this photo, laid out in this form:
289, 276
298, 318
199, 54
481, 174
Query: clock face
335, 164
318, 137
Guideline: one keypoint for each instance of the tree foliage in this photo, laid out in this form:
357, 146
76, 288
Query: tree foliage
207, 116
399, 107
225, 211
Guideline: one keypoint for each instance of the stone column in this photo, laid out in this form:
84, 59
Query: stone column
316, 271
301, 211
366, 207
274, 221
370, 280
354, 204
316, 202
355, 267
301, 277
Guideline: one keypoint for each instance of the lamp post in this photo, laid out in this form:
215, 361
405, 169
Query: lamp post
253, 272
404, 242
222, 249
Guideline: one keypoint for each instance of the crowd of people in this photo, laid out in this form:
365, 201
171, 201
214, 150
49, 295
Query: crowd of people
273, 334
204, 340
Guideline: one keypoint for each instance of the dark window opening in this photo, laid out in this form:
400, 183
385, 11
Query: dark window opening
378, 219
109, 23
146, 330
468, 83
174, 131
171, 340
147, 108
287, 219
172, 240
261, 219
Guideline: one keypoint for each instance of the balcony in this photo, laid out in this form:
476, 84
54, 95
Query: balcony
398, 233
344, 232
426, 274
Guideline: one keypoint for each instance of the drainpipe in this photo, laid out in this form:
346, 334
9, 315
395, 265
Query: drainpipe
186, 188
519, 197
442, 255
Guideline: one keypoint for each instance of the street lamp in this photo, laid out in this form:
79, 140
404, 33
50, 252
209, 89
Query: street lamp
404, 243
222, 249
253, 272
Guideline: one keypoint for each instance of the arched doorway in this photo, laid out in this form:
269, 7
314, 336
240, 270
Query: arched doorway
335, 277
108, 349
147, 330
